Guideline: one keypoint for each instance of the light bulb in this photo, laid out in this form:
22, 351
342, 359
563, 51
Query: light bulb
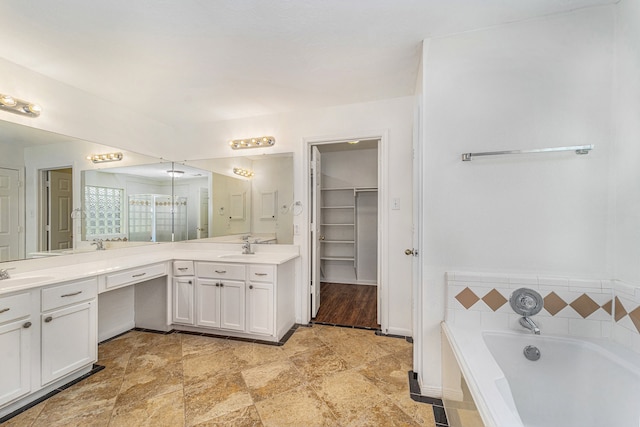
7, 100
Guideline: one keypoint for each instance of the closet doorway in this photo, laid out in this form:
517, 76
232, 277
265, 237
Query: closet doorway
344, 233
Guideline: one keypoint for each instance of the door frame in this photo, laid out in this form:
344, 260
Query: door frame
383, 222
21, 208
43, 205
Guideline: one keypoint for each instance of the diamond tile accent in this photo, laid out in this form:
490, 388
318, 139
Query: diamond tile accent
608, 307
553, 303
494, 299
620, 310
584, 305
467, 298
635, 317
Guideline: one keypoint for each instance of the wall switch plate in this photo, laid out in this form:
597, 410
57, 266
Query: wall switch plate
395, 204
296, 229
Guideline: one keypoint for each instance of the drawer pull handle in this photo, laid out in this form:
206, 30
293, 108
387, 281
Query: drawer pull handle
260, 274
221, 271
27, 325
71, 294
48, 319
183, 268
139, 275
4, 310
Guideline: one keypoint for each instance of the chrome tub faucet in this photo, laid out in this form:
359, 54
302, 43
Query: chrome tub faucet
99, 244
528, 323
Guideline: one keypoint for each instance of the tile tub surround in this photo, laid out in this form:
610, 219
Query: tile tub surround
592, 308
321, 376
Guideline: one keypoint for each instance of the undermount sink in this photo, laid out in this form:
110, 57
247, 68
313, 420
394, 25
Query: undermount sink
25, 280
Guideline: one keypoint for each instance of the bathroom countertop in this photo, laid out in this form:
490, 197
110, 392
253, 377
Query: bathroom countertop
45, 271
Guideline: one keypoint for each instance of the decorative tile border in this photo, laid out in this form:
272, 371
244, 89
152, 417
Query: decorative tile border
599, 308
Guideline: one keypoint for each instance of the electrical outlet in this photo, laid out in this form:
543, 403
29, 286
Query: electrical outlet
395, 204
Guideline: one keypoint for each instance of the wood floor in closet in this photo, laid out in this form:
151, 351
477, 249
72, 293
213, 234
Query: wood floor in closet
348, 305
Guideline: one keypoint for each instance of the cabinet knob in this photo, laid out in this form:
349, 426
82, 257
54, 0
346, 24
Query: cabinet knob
190, 282
250, 286
26, 325
221, 285
48, 319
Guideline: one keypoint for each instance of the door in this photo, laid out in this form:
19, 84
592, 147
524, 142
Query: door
208, 297
15, 360
316, 231
60, 207
203, 214
69, 340
9, 215
260, 306
232, 305
183, 301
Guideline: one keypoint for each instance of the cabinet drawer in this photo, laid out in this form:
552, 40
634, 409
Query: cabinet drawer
69, 293
220, 271
134, 275
14, 307
183, 268
261, 273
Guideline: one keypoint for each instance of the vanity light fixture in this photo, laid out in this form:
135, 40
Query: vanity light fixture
243, 172
353, 142
175, 173
262, 141
106, 157
15, 105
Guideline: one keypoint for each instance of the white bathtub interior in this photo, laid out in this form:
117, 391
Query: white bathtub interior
576, 382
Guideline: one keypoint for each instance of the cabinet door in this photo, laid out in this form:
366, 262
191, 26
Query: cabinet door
232, 305
15, 360
69, 340
183, 300
208, 302
260, 308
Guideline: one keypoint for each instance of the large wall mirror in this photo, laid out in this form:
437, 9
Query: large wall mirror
248, 198
41, 191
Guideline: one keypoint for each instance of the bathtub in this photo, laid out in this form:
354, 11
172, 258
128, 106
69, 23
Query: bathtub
576, 382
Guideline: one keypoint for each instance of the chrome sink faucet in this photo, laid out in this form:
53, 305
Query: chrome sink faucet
246, 248
4, 273
99, 244
526, 322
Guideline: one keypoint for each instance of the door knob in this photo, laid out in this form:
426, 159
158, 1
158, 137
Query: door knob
413, 252
321, 237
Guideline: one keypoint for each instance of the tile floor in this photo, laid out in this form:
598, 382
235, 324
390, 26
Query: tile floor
323, 376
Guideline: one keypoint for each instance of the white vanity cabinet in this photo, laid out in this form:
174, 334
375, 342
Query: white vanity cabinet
183, 292
15, 348
243, 300
69, 328
220, 295
260, 303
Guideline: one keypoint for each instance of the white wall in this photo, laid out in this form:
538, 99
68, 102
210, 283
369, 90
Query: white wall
70, 111
535, 84
627, 146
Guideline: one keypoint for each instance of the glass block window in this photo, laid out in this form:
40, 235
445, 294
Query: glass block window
104, 211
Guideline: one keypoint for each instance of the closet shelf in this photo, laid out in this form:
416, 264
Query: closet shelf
342, 225
337, 258
337, 207
338, 241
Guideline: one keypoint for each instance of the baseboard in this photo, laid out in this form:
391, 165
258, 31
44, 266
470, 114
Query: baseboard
399, 331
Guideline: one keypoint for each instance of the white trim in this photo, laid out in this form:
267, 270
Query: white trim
383, 232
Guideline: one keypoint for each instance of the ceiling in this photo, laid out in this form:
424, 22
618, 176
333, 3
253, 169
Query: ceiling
191, 61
